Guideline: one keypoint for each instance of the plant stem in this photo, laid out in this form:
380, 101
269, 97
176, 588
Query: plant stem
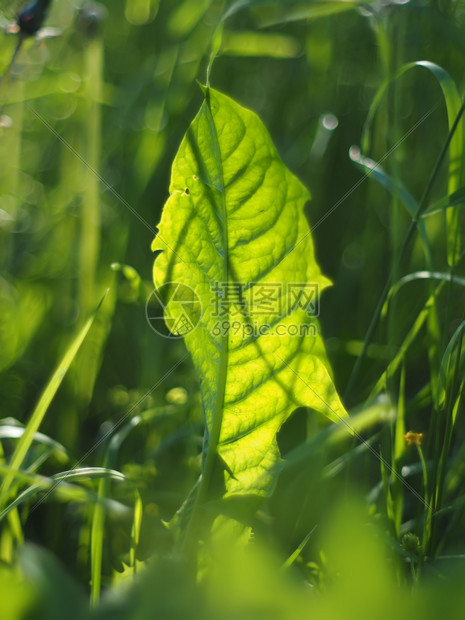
90, 231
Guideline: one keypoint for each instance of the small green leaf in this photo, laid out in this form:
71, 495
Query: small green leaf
233, 231
457, 198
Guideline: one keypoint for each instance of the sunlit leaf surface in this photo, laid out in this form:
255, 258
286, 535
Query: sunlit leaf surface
233, 231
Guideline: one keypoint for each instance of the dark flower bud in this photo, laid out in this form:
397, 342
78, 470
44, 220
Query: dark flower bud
32, 17
91, 17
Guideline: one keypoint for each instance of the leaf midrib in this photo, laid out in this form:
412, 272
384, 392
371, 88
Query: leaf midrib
217, 414
217, 417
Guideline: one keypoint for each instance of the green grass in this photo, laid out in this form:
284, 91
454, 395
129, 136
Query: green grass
101, 419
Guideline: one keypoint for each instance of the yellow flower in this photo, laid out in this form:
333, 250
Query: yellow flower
413, 438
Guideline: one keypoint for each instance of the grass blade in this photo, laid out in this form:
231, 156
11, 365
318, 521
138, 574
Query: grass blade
41, 408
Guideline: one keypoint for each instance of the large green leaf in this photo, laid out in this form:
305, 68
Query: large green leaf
235, 216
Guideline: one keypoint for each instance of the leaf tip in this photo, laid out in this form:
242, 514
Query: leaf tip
155, 245
203, 87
